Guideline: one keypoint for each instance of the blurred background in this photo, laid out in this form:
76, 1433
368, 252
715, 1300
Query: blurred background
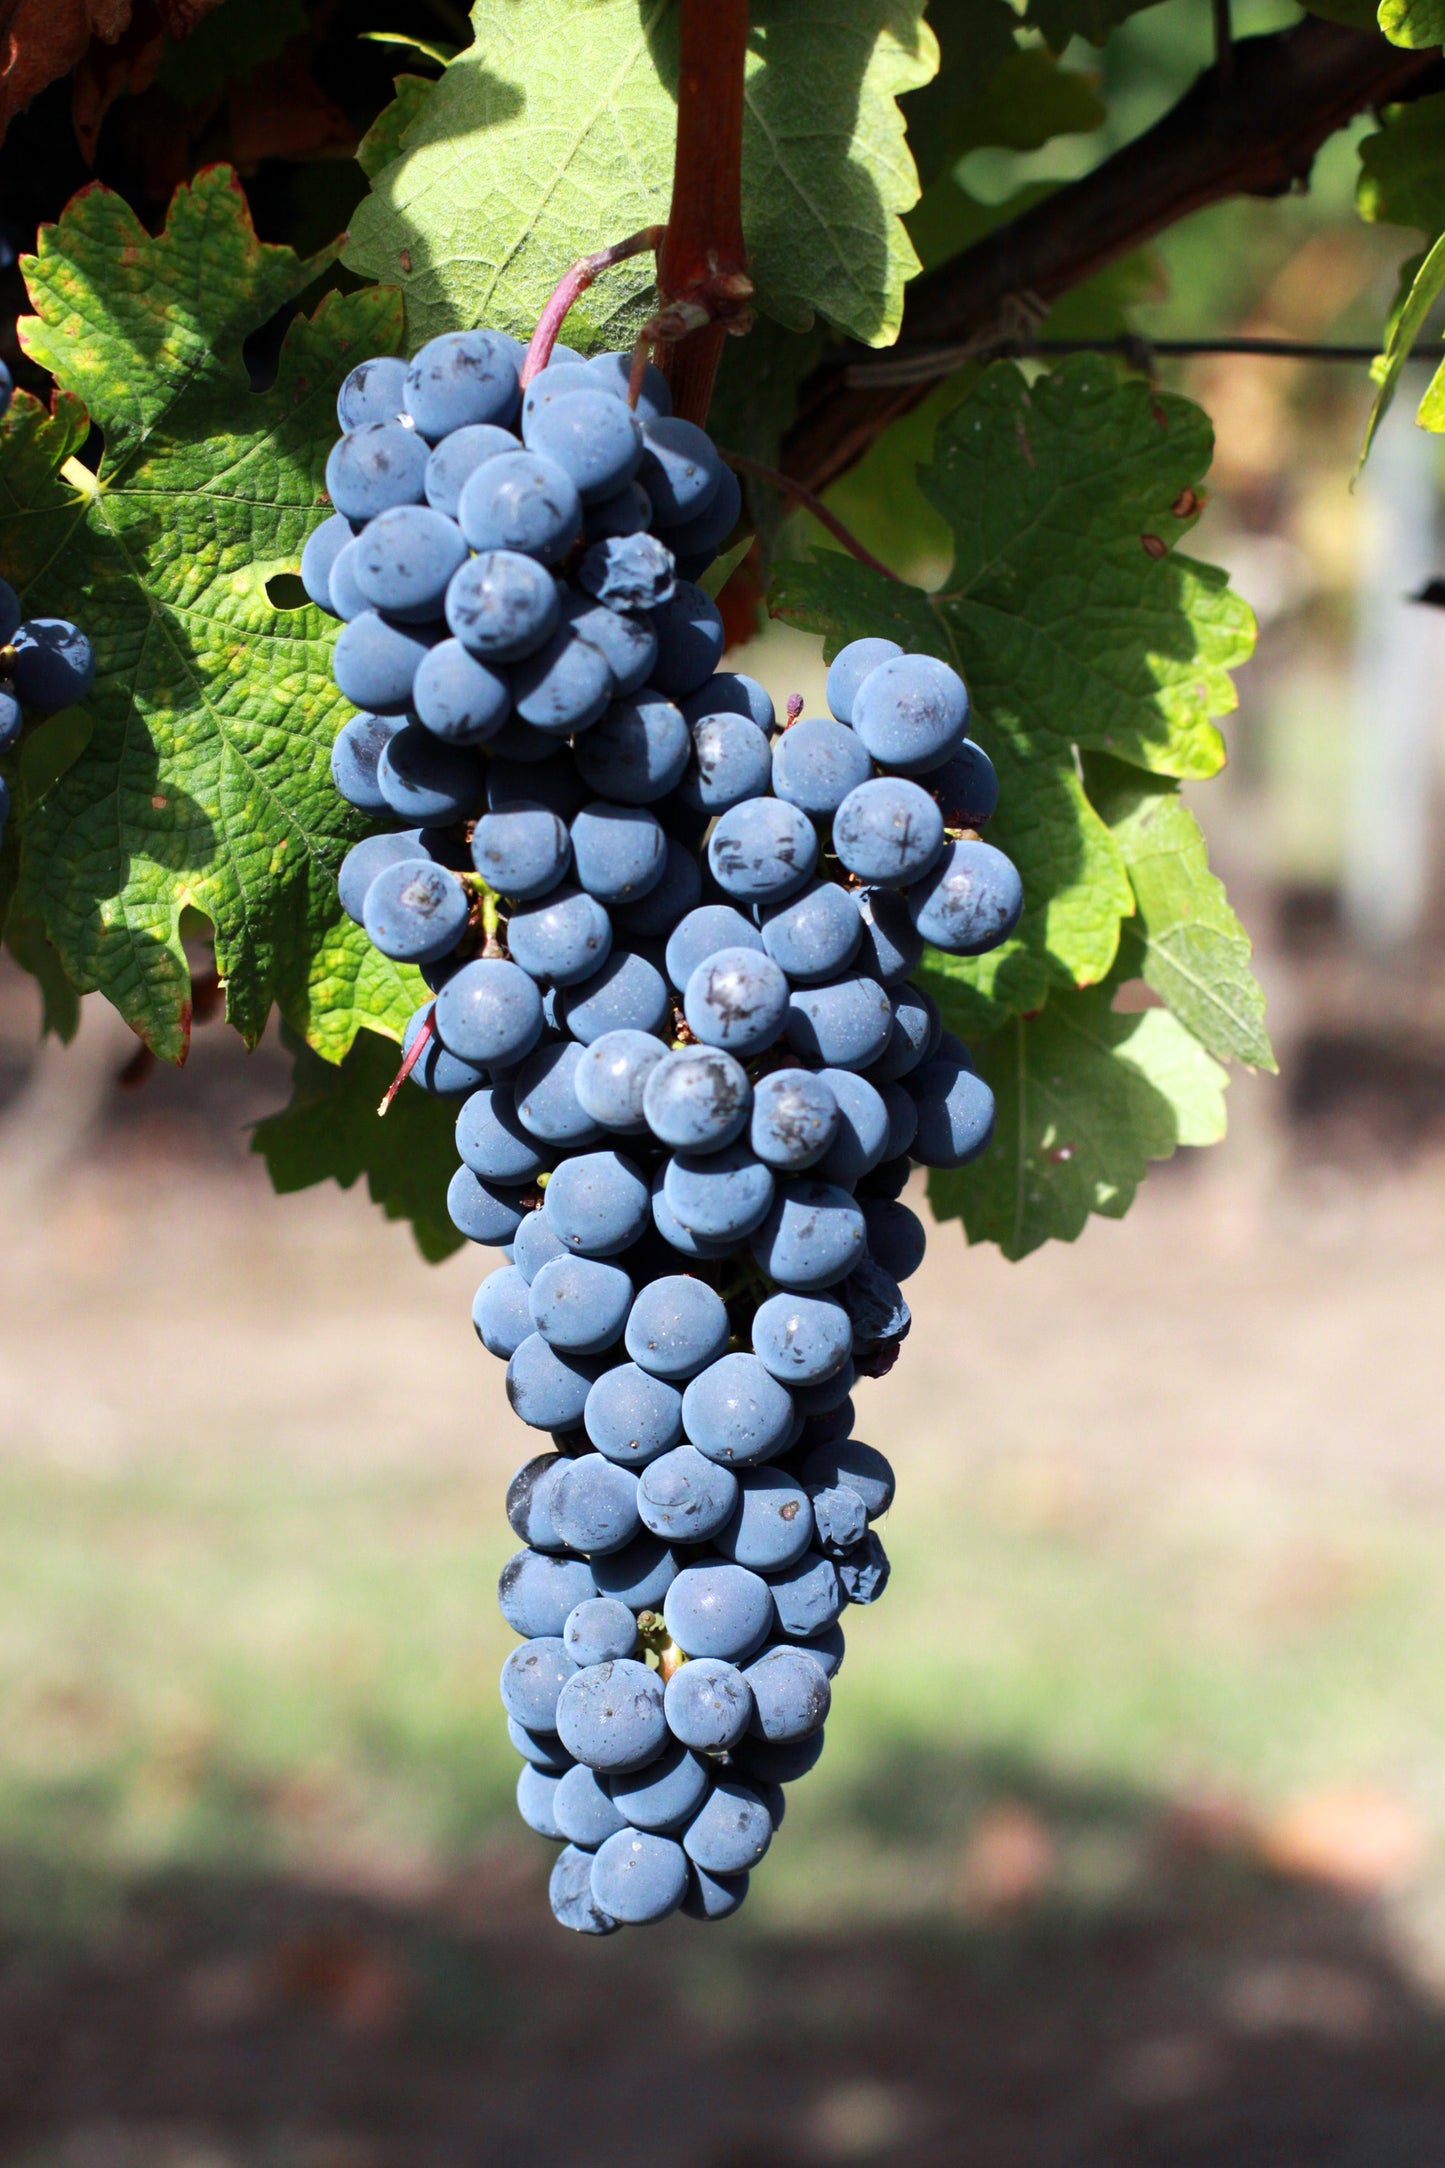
1127, 1844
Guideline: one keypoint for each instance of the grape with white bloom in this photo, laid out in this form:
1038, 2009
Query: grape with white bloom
565, 936
502, 605
676, 1327
523, 852
737, 1000
971, 900
667, 1793
718, 1610
731, 1831
817, 764
771, 1523
699, 936
795, 1119
849, 668
580, 1304
762, 850
791, 1694
697, 1099
708, 1705
632, 1416
610, 1715
638, 1877
888, 832
583, 1810
911, 712
816, 934
729, 760
686, 1497
611, 1078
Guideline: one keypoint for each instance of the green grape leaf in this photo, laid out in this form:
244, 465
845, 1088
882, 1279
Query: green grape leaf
1418, 24
429, 48
44, 753
1028, 102
1402, 167
26, 942
720, 571
1409, 318
1086, 1097
755, 398
1195, 952
205, 782
1060, 20
826, 171
1402, 183
975, 38
553, 134
1430, 413
1076, 890
330, 1132
386, 138
1077, 625
879, 498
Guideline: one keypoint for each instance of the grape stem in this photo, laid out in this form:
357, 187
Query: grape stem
492, 941
743, 463
570, 288
657, 1641
669, 1660
425, 1034
703, 286
702, 265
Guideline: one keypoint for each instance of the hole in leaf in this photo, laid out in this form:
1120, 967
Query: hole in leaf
1133, 997
285, 592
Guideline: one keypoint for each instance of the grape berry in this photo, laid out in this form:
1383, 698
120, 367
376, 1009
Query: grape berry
669, 949
46, 663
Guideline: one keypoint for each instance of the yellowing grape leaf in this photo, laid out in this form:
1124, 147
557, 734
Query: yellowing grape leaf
1087, 1097
1096, 654
205, 781
1195, 952
1415, 23
1074, 621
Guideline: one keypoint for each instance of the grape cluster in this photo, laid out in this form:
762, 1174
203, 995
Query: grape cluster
46, 663
669, 948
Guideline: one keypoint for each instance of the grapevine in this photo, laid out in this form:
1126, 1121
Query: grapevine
378, 662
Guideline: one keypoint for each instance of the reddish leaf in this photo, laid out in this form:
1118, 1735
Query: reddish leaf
113, 46
179, 17
41, 40
104, 72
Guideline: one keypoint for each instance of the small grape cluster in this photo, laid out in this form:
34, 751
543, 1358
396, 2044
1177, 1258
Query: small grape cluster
46, 663
670, 948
